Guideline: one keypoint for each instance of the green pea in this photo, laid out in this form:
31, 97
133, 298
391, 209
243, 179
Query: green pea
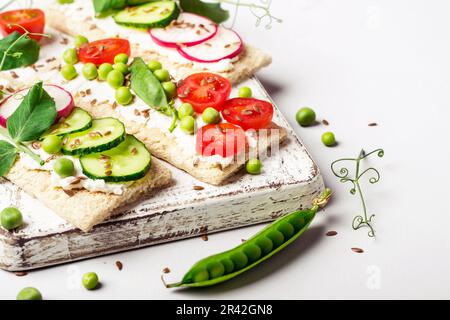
265, 244
121, 58
154, 65
286, 229
70, 56
245, 92
170, 89
122, 67
228, 265
90, 71
252, 251
215, 269
90, 280
239, 259
211, 115
305, 116
52, 144
69, 72
277, 238
29, 294
162, 75
297, 222
185, 109
80, 40
200, 275
328, 139
187, 124
253, 166
115, 79
11, 218
104, 70
64, 167
124, 96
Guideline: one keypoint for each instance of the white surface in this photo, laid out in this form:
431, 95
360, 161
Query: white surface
354, 62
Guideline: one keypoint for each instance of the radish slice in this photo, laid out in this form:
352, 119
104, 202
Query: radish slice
63, 102
226, 44
189, 30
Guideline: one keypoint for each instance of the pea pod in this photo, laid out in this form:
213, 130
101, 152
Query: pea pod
221, 267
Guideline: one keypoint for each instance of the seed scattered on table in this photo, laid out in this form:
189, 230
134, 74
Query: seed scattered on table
373, 124
357, 250
325, 122
166, 270
243, 240
119, 265
198, 188
204, 237
21, 273
331, 233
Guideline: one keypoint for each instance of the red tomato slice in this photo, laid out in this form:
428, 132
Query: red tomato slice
101, 51
248, 113
33, 20
223, 139
204, 90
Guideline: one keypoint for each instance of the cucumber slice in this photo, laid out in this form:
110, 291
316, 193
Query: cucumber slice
129, 161
150, 15
105, 134
78, 120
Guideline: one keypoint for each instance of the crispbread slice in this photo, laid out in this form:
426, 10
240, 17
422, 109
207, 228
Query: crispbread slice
82, 208
163, 145
250, 60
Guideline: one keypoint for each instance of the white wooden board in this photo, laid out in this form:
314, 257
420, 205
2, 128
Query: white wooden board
290, 181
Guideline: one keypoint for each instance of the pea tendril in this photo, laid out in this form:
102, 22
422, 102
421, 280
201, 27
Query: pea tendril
260, 10
343, 174
17, 55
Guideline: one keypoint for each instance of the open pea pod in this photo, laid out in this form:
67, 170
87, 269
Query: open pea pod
279, 234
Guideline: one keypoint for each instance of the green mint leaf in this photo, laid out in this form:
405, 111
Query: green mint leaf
147, 87
212, 11
35, 114
8, 155
18, 52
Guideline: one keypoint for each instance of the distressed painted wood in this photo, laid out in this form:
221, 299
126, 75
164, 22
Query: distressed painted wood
290, 181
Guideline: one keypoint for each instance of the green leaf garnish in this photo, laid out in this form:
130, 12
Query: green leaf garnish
35, 114
8, 155
212, 11
148, 88
17, 51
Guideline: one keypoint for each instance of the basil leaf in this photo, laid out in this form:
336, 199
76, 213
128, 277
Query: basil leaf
8, 155
212, 11
148, 88
35, 114
106, 7
22, 52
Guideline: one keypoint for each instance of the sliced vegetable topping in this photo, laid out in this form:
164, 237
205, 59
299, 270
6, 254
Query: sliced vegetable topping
203, 90
104, 134
79, 120
226, 44
188, 30
129, 161
248, 113
63, 102
32, 20
223, 139
105, 50
150, 15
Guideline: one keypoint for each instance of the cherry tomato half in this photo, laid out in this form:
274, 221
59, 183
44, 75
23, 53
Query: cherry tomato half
223, 139
33, 20
248, 113
204, 90
101, 51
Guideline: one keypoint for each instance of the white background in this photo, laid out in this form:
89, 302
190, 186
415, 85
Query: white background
354, 62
